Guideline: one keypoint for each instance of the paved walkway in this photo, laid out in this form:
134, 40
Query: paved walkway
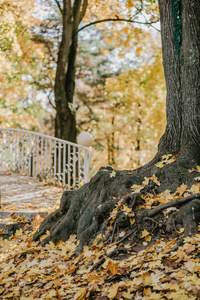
22, 193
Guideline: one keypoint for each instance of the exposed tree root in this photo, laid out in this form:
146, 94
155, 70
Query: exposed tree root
85, 212
154, 211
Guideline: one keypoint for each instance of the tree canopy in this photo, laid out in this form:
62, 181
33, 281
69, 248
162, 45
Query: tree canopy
32, 83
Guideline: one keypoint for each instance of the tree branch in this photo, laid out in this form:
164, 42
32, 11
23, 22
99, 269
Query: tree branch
84, 7
59, 6
48, 96
151, 23
116, 20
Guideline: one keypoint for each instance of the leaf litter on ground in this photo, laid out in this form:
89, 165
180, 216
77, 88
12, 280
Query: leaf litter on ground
158, 270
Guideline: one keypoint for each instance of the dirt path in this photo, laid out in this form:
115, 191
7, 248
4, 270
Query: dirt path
22, 193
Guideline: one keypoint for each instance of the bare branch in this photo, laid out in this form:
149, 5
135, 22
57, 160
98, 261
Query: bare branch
84, 7
59, 6
151, 23
117, 20
48, 96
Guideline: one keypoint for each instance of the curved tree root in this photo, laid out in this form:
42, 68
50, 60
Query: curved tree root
85, 212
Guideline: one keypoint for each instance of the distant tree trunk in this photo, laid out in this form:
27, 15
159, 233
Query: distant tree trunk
111, 145
180, 31
65, 122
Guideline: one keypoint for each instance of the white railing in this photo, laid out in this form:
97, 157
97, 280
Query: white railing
56, 161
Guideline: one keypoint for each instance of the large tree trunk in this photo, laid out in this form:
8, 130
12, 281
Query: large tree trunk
180, 31
85, 212
65, 122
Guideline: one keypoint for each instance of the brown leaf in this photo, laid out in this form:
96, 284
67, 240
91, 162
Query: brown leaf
181, 189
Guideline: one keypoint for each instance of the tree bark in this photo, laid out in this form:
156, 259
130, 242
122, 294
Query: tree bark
65, 122
190, 79
180, 32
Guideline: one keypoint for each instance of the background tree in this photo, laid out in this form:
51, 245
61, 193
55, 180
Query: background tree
72, 15
20, 60
32, 83
131, 99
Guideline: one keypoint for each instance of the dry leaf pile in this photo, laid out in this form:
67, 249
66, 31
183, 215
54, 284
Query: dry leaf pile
158, 269
157, 272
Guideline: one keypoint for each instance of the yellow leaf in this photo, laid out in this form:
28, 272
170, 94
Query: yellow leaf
178, 296
80, 295
155, 179
144, 233
137, 281
132, 221
113, 291
112, 174
35, 271
51, 294
156, 263
127, 295
147, 292
170, 286
19, 232
181, 189
146, 181
166, 157
148, 238
137, 188
154, 296
181, 230
51, 245
112, 267
48, 278
126, 209
194, 189
147, 281
179, 274
160, 164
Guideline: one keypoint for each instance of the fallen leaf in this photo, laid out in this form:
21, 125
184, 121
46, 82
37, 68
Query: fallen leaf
127, 295
181, 189
113, 291
148, 238
113, 174
126, 209
160, 164
144, 233
166, 157
19, 232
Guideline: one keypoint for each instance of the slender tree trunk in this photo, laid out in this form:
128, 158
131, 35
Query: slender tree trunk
65, 122
64, 117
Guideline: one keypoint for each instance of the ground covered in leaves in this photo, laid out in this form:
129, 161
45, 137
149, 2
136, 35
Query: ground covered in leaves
143, 262
22, 193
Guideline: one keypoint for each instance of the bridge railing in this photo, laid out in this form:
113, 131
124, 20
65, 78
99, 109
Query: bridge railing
56, 161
